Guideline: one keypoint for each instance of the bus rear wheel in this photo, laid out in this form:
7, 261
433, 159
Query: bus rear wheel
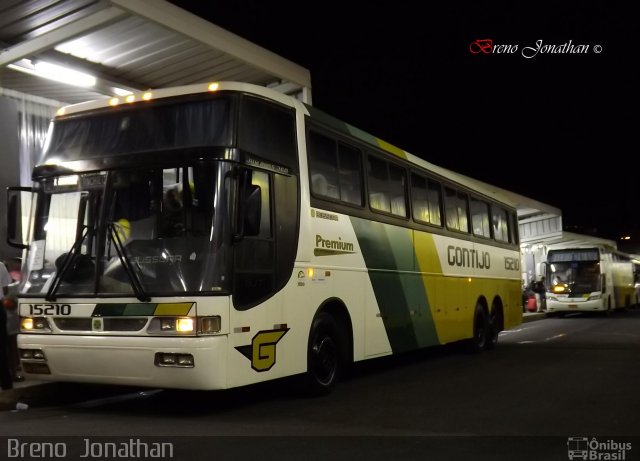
324, 355
481, 331
495, 327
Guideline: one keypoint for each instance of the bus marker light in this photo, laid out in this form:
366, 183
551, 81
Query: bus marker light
114, 101
214, 86
310, 272
211, 324
131, 98
148, 95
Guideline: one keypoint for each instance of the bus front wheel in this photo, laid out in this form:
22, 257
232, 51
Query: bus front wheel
324, 355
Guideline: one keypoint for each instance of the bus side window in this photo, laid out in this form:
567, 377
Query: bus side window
426, 198
323, 166
387, 187
480, 218
456, 209
499, 222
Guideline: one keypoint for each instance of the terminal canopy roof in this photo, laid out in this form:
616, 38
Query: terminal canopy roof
130, 45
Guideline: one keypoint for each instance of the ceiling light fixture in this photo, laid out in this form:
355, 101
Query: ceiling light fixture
55, 72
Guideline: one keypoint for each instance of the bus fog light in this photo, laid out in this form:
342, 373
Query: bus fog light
38, 355
169, 359
31, 354
209, 325
185, 360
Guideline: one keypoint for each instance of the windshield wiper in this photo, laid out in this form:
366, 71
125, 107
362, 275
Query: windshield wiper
68, 261
136, 284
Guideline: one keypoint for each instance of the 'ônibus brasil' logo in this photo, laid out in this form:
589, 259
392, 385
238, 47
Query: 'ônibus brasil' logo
262, 350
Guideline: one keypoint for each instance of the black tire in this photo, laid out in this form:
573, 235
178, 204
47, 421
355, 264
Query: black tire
324, 355
480, 331
496, 324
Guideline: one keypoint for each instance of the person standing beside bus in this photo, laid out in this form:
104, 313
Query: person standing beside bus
540, 290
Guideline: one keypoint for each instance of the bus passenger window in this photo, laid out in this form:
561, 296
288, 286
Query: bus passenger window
323, 166
500, 227
350, 174
378, 194
426, 197
456, 210
480, 218
387, 191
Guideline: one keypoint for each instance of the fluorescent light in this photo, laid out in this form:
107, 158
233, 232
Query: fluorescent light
121, 92
55, 72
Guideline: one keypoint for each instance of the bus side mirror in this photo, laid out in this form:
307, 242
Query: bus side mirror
249, 210
252, 210
15, 197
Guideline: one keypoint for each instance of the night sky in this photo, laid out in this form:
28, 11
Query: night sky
559, 128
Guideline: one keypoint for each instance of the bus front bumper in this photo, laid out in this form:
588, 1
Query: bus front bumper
574, 305
200, 362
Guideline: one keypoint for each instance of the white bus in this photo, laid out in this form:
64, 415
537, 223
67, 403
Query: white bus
213, 236
593, 278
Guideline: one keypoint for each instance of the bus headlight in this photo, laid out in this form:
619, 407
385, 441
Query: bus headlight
188, 326
184, 325
593, 297
34, 325
172, 326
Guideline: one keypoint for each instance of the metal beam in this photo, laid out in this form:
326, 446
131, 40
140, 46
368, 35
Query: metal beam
196, 28
49, 40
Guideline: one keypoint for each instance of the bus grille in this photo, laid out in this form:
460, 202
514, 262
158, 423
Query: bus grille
109, 324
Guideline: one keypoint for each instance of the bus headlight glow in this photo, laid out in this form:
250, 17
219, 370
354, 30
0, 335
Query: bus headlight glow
172, 325
34, 325
184, 325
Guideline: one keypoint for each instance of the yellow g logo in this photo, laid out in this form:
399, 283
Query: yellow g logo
262, 350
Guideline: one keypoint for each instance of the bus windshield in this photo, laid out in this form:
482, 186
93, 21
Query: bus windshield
144, 231
575, 277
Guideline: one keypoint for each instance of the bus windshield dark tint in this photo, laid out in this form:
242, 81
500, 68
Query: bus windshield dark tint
149, 126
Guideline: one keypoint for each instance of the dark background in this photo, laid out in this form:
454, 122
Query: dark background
558, 128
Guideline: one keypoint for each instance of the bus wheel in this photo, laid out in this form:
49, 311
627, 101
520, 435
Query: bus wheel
324, 356
480, 330
495, 327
